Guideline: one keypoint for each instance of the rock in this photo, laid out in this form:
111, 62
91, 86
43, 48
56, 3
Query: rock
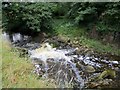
93, 85
105, 83
79, 50
63, 39
89, 69
107, 73
101, 84
50, 62
79, 65
114, 62
94, 77
37, 61
75, 42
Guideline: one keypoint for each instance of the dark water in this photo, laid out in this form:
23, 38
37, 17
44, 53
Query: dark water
66, 67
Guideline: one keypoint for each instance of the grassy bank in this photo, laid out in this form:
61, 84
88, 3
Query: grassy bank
17, 72
68, 30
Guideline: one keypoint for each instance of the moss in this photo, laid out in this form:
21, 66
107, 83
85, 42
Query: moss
107, 73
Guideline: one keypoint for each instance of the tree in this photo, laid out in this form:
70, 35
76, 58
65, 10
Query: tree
34, 17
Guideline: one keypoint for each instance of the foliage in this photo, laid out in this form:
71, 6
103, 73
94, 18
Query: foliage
105, 16
111, 16
38, 16
102, 19
66, 30
82, 12
60, 9
33, 16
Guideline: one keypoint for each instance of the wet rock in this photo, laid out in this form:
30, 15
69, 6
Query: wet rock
107, 74
50, 62
93, 85
37, 61
113, 57
75, 42
104, 83
114, 62
80, 50
63, 39
79, 65
38, 70
93, 77
89, 69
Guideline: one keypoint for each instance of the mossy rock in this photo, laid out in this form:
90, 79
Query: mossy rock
79, 65
107, 73
63, 39
89, 69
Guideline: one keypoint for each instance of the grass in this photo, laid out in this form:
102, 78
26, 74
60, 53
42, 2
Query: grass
0, 61
99, 47
17, 72
66, 29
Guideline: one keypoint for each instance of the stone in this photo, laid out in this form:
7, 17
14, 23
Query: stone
107, 73
63, 39
93, 85
89, 69
79, 65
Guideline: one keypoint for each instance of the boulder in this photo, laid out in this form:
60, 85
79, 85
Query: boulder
107, 73
89, 69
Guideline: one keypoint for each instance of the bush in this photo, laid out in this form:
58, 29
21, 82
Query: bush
35, 17
106, 16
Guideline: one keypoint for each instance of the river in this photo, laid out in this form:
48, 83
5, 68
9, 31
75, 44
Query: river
67, 67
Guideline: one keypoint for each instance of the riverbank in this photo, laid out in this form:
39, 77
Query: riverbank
79, 36
56, 52
17, 72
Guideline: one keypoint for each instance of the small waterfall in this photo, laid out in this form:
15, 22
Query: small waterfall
5, 36
17, 37
59, 56
62, 64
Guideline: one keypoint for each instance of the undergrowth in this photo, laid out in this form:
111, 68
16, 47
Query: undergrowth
67, 29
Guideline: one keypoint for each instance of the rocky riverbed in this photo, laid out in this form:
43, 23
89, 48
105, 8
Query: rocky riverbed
68, 63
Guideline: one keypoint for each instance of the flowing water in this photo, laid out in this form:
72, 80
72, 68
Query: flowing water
64, 68
62, 65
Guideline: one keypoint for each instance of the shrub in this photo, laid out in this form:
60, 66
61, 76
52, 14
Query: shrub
30, 16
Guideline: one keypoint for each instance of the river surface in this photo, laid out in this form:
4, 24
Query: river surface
65, 66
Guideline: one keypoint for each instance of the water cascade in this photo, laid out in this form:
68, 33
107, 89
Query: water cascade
61, 60
63, 64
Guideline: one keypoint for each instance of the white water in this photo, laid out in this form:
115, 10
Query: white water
46, 52
5, 36
17, 37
